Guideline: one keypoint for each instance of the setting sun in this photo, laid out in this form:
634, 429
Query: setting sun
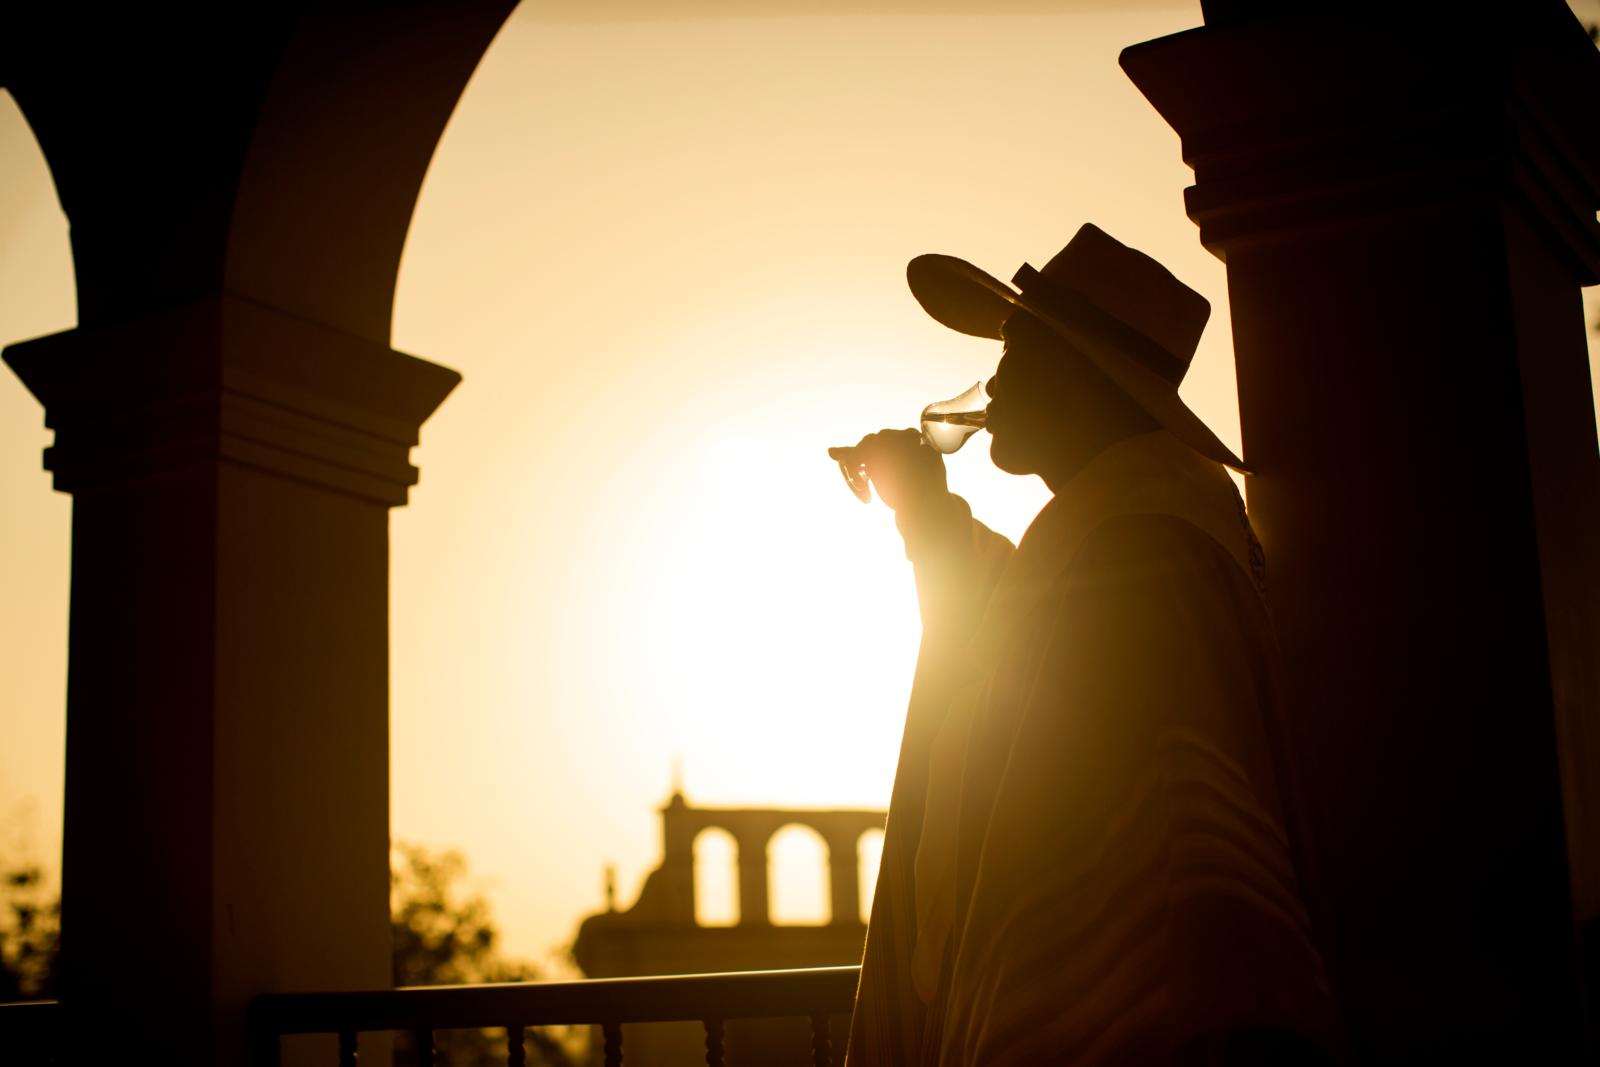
668, 258
630, 544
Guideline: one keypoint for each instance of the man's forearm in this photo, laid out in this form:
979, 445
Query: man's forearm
956, 559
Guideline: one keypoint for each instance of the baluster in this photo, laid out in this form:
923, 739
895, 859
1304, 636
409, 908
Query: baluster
423, 1039
613, 1036
348, 1052
821, 1050
516, 1055
714, 1043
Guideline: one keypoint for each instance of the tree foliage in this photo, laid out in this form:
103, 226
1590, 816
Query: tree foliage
440, 936
443, 936
30, 934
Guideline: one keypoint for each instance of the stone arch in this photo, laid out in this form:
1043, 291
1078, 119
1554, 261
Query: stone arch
290, 181
338, 162
797, 857
716, 878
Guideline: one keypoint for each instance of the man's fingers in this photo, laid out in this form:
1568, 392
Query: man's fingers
888, 441
897, 462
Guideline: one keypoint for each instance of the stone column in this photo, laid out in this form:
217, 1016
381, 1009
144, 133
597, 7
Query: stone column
844, 879
1407, 212
755, 901
227, 824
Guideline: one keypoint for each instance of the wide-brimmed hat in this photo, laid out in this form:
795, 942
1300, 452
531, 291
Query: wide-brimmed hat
1120, 308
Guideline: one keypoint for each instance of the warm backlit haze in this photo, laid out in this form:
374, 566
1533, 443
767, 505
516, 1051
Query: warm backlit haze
668, 256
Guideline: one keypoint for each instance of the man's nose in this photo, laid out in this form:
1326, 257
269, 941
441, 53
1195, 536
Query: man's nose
989, 386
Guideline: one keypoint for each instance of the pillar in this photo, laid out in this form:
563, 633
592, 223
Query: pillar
227, 824
844, 879
755, 901
233, 426
1406, 207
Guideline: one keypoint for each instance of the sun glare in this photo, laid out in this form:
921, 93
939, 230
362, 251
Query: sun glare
669, 258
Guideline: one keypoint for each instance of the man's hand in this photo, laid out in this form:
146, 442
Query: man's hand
907, 473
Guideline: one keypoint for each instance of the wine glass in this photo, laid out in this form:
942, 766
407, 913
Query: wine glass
946, 426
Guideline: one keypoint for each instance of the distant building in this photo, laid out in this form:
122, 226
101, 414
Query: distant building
660, 934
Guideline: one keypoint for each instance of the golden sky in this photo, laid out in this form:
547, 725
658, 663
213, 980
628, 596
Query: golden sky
668, 256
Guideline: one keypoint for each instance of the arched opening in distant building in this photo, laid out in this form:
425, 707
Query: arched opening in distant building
798, 859
716, 878
869, 856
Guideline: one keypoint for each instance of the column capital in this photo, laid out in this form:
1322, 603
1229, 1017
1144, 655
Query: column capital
233, 381
1365, 115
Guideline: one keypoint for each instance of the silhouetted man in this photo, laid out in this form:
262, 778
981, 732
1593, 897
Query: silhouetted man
1087, 859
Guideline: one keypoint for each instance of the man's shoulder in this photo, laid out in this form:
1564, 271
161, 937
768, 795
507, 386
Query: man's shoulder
1156, 572
1139, 544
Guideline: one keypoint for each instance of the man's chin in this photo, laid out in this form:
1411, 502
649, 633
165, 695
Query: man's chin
1012, 460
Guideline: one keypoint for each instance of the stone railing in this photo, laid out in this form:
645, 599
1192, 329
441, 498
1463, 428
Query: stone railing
607, 1003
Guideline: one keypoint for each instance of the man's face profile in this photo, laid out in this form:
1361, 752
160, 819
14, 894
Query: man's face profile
1031, 394
1051, 408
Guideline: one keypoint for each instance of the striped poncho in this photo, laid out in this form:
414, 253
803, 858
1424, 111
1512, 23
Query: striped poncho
1086, 858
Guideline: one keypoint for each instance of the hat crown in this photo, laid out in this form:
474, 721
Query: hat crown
1124, 311
1133, 289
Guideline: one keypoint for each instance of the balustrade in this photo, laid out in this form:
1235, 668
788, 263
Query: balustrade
36, 1027
608, 1003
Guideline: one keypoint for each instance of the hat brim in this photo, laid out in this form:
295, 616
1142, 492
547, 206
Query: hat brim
971, 301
